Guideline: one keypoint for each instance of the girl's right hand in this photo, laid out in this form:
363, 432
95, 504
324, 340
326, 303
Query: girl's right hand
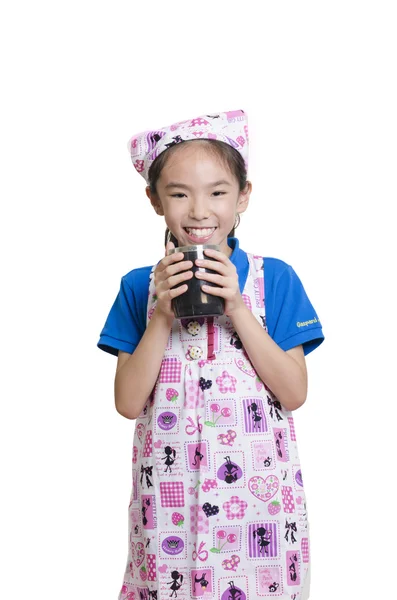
168, 273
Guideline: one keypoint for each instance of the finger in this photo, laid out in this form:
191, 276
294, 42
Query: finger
172, 276
213, 278
176, 268
220, 256
169, 246
169, 260
175, 292
170, 293
213, 265
215, 291
176, 279
165, 282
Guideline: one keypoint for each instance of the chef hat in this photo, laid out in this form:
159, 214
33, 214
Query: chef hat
229, 127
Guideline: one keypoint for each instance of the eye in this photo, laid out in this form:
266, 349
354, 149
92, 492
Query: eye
180, 195
217, 194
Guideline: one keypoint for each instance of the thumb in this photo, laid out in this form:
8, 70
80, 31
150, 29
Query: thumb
169, 246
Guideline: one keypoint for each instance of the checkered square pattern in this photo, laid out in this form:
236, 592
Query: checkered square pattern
292, 429
247, 301
305, 549
171, 493
170, 371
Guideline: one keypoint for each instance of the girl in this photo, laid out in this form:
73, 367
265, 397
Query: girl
217, 508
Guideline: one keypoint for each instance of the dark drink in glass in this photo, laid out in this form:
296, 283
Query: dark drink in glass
194, 302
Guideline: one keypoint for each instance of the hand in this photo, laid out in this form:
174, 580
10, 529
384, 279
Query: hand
226, 277
168, 274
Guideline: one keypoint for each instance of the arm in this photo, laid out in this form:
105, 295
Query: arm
137, 373
283, 372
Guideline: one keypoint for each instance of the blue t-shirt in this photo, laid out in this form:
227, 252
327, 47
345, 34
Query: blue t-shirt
290, 317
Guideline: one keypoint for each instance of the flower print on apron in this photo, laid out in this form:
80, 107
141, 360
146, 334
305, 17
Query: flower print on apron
218, 509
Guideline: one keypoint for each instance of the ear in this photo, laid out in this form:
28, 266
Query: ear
155, 201
244, 197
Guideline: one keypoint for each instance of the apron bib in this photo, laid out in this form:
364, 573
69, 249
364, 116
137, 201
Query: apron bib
218, 509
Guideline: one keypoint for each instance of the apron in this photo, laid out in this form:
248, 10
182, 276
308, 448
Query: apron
217, 509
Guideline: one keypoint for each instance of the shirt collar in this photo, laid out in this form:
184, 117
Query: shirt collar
239, 259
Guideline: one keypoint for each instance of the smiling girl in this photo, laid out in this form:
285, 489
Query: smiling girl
215, 454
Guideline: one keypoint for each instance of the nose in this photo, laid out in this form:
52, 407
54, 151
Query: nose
199, 209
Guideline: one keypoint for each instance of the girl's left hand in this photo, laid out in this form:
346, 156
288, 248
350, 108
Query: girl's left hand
226, 277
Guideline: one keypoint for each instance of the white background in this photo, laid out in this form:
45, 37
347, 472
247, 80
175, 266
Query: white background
318, 81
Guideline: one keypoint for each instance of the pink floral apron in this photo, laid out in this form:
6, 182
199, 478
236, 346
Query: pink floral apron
218, 509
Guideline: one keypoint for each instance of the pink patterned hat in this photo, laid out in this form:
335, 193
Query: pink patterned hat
229, 127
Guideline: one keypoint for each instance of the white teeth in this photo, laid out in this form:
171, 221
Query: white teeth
200, 232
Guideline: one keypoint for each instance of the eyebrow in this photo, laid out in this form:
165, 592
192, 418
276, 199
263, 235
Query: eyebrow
175, 184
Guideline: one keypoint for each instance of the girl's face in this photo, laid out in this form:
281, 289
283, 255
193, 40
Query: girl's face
199, 197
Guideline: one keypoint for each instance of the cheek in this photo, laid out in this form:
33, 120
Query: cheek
227, 210
174, 212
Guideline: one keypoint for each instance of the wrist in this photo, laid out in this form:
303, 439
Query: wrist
239, 312
162, 318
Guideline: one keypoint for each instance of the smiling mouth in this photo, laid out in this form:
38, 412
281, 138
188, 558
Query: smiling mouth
200, 232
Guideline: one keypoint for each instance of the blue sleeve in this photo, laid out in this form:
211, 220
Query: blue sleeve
290, 316
126, 322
